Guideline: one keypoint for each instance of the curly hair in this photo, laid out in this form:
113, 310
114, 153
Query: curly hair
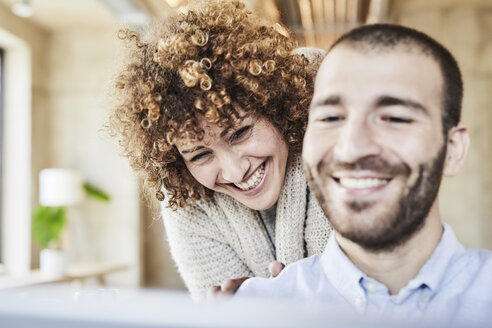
205, 63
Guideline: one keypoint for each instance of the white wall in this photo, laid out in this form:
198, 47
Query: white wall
465, 28
71, 69
81, 64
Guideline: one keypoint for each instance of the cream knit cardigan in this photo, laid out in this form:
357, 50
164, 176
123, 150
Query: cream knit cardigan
218, 239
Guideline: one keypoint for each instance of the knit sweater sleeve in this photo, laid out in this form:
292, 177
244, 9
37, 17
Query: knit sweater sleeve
200, 251
317, 229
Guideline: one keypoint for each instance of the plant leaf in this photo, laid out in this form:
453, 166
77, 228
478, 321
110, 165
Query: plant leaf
96, 193
47, 225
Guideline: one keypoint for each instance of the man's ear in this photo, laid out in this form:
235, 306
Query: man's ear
458, 143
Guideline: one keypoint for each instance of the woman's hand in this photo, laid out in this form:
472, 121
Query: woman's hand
230, 286
275, 268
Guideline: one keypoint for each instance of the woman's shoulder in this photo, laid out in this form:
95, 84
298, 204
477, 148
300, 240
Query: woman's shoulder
203, 214
192, 215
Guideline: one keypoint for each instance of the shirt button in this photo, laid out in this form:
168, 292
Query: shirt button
425, 299
359, 303
371, 287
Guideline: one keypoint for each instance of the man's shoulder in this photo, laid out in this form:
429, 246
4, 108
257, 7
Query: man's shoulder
293, 281
478, 259
472, 270
309, 268
467, 286
481, 261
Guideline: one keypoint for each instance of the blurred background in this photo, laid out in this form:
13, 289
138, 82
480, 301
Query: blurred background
57, 58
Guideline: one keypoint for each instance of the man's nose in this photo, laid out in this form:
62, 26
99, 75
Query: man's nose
234, 166
356, 140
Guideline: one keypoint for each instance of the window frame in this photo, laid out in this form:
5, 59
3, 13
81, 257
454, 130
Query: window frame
16, 155
2, 57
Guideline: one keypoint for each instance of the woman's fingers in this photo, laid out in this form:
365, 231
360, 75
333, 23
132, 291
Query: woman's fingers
229, 287
275, 268
213, 291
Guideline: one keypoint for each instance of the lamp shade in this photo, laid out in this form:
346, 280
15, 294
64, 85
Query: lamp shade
60, 187
22, 9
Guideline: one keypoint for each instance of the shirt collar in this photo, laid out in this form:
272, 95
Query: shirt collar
433, 272
346, 277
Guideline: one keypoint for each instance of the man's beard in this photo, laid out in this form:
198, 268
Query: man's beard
401, 219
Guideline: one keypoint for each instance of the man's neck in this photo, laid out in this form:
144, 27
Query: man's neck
397, 267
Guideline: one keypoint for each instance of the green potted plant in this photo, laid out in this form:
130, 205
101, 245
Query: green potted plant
58, 188
47, 227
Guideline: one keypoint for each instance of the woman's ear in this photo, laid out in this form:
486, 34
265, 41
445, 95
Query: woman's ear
458, 143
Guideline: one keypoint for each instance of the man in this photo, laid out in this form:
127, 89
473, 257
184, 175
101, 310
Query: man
384, 127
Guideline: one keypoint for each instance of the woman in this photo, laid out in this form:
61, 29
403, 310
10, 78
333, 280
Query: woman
212, 107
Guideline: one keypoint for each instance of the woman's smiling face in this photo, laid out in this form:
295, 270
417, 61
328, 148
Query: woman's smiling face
247, 163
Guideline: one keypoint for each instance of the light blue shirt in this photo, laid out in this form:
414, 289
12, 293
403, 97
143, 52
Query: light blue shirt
454, 285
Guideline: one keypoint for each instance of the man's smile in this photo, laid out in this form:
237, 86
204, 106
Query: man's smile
361, 183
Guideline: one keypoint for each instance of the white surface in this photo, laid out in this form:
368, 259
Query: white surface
59, 305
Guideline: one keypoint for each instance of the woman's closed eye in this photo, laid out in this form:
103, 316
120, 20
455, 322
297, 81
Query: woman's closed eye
240, 134
200, 156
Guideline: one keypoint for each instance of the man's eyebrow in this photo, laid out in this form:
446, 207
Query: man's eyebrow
191, 150
327, 101
385, 101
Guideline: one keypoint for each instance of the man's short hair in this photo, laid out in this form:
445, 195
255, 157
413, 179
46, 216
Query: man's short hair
380, 37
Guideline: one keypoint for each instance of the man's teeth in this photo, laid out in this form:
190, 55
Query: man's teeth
254, 180
362, 183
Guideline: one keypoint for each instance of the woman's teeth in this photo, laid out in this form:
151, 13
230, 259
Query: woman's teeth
254, 180
362, 183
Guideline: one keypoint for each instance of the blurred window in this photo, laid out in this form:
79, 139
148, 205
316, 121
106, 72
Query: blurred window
1, 143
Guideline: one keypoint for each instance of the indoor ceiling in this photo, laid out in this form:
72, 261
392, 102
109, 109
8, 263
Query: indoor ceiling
55, 15
313, 22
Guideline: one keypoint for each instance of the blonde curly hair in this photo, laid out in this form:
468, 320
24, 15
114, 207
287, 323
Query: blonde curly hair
205, 63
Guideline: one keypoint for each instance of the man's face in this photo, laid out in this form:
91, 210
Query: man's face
374, 148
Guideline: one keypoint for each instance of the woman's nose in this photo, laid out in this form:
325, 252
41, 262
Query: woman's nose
234, 166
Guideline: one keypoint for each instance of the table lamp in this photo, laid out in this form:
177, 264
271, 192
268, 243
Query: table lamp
60, 187
57, 188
